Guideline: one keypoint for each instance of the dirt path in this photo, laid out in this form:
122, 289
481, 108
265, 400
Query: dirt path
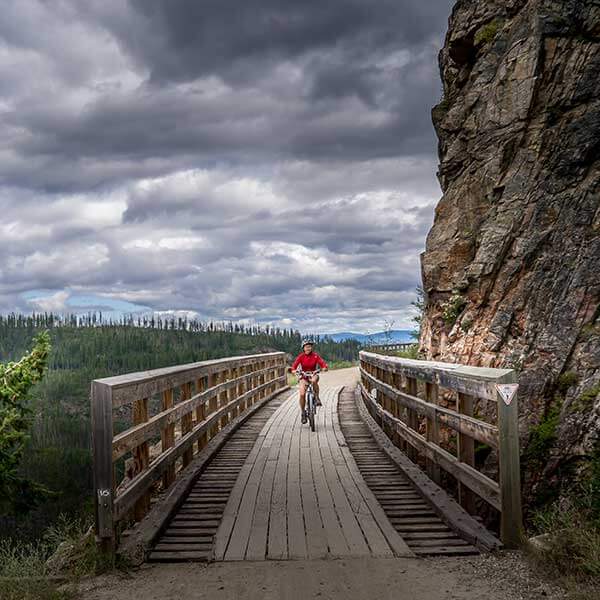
340, 377
477, 578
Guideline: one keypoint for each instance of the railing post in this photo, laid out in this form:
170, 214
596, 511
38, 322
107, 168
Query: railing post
213, 403
186, 424
141, 456
201, 413
223, 398
413, 419
167, 436
511, 525
104, 485
465, 452
432, 431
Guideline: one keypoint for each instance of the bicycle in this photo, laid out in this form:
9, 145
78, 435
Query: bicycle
311, 404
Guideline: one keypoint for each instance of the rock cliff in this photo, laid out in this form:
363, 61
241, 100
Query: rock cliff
511, 269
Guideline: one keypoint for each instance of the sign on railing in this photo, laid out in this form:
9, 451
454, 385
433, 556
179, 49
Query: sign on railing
404, 396
172, 413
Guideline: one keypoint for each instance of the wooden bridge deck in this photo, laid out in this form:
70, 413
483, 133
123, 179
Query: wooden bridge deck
300, 495
278, 491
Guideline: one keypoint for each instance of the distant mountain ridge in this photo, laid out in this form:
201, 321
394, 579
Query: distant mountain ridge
381, 337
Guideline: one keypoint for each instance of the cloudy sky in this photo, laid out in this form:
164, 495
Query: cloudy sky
264, 160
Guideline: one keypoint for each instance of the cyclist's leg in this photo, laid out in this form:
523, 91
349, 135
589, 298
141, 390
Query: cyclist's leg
303, 386
315, 382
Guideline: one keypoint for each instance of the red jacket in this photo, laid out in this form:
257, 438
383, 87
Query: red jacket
309, 362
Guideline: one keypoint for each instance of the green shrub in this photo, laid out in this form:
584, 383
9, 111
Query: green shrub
487, 32
452, 308
586, 400
566, 380
542, 437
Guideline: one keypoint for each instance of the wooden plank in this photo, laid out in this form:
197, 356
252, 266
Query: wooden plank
141, 458
135, 545
141, 482
352, 478
233, 506
295, 517
201, 411
144, 384
258, 537
104, 485
277, 547
445, 507
134, 436
476, 381
433, 434
240, 535
186, 424
465, 453
213, 404
336, 542
413, 421
347, 513
479, 430
485, 487
167, 438
511, 519
316, 542
180, 556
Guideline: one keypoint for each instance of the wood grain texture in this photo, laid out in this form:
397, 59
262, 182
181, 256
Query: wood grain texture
298, 496
453, 515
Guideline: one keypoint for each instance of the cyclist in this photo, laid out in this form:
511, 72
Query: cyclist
308, 360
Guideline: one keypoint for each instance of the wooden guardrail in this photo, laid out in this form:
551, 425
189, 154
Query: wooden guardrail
403, 394
393, 347
190, 404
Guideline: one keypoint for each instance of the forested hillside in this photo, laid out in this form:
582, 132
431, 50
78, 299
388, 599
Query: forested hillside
86, 348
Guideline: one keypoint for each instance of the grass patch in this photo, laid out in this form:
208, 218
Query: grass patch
27, 574
24, 574
571, 529
342, 364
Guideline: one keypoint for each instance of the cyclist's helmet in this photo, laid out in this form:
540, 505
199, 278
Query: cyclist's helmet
307, 341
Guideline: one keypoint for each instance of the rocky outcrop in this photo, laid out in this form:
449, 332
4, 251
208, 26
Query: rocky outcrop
511, 270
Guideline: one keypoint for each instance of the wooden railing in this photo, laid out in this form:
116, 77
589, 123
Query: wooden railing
168, 414
404, 397
392, 347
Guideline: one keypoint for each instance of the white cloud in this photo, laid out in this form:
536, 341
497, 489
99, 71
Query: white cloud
56, 303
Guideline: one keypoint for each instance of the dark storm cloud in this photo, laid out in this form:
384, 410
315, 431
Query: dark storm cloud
186, 39
249, 160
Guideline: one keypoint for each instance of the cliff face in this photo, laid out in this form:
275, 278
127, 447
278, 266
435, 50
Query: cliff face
511, 269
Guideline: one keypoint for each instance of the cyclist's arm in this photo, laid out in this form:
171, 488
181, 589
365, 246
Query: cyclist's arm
296, 363
322, 363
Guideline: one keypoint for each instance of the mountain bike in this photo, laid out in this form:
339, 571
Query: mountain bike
311, 403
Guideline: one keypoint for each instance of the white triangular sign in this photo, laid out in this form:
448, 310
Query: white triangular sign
507, 391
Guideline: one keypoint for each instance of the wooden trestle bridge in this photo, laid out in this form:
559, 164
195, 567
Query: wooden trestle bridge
209, 461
